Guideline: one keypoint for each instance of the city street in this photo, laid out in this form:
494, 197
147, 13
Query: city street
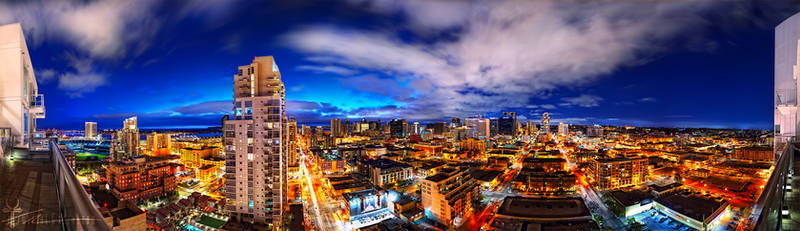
609, 218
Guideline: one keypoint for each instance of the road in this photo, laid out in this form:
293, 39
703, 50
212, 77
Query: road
322, 207
609, 219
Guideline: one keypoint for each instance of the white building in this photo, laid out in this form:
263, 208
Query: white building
479, 125
20, 101
255, 152
563, 129
447, 196
787, 71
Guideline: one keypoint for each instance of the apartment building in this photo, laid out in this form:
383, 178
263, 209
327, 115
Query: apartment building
255, 145
20, 101
610, 173
141, 178
448, 195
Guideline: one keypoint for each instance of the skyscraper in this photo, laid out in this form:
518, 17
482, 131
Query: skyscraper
530, 126
126, 142
507, 124
90, 130
398, 127
255, 150
336, 128
294, 158
20, 101
545, 123
479, 125
563, 129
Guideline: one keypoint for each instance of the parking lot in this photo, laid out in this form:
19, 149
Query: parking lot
655, 220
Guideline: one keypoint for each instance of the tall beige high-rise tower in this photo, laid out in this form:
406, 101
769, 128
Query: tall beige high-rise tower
126, 142
256, 146
90, 130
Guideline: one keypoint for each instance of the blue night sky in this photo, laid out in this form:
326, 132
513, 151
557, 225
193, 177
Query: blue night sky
684, 64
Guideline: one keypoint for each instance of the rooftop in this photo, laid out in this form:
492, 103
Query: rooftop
632, 197
529, 207
692, 205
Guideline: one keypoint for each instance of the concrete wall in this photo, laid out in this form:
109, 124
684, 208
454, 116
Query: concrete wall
15, 66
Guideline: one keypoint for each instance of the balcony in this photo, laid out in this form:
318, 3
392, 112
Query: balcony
40, 192
37, 107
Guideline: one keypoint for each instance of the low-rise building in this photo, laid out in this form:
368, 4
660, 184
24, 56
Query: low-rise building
142, 178
386, 171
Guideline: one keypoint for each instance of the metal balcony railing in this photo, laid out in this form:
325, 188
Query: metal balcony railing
37, 106
785, 97
78, 211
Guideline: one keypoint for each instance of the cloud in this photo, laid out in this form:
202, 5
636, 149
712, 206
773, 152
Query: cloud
99, 31
46, 75
82, 79
503, 52
326, 69
583, 100
647, 100
207, 109
210, 107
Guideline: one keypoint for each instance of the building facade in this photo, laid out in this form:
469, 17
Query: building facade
90, 130
611, 173
141, 178
20, 101
126, 142
507, 124
448, 195
255, 145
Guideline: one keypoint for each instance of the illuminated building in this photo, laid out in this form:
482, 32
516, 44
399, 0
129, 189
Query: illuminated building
336, 128
507, 124
698, 212
157, 141
448, 194
518, 212
611, 173
530, 127
479, 125
545, 123
126, 142
385, 171
196, 157
756, 153
90, 130
398, 128
294, 157
329, 160
510, 153
429, 148
256, 155
141, 178
206, 173
544, 175
563, 129
20, 101
476, 146
594, 131
364, 202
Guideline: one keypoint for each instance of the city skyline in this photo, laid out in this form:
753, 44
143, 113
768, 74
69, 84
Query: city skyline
431, 74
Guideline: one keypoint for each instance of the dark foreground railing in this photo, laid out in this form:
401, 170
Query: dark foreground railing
772, 199
78, 211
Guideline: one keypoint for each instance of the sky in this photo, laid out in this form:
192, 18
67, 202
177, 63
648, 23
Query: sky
637, 63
